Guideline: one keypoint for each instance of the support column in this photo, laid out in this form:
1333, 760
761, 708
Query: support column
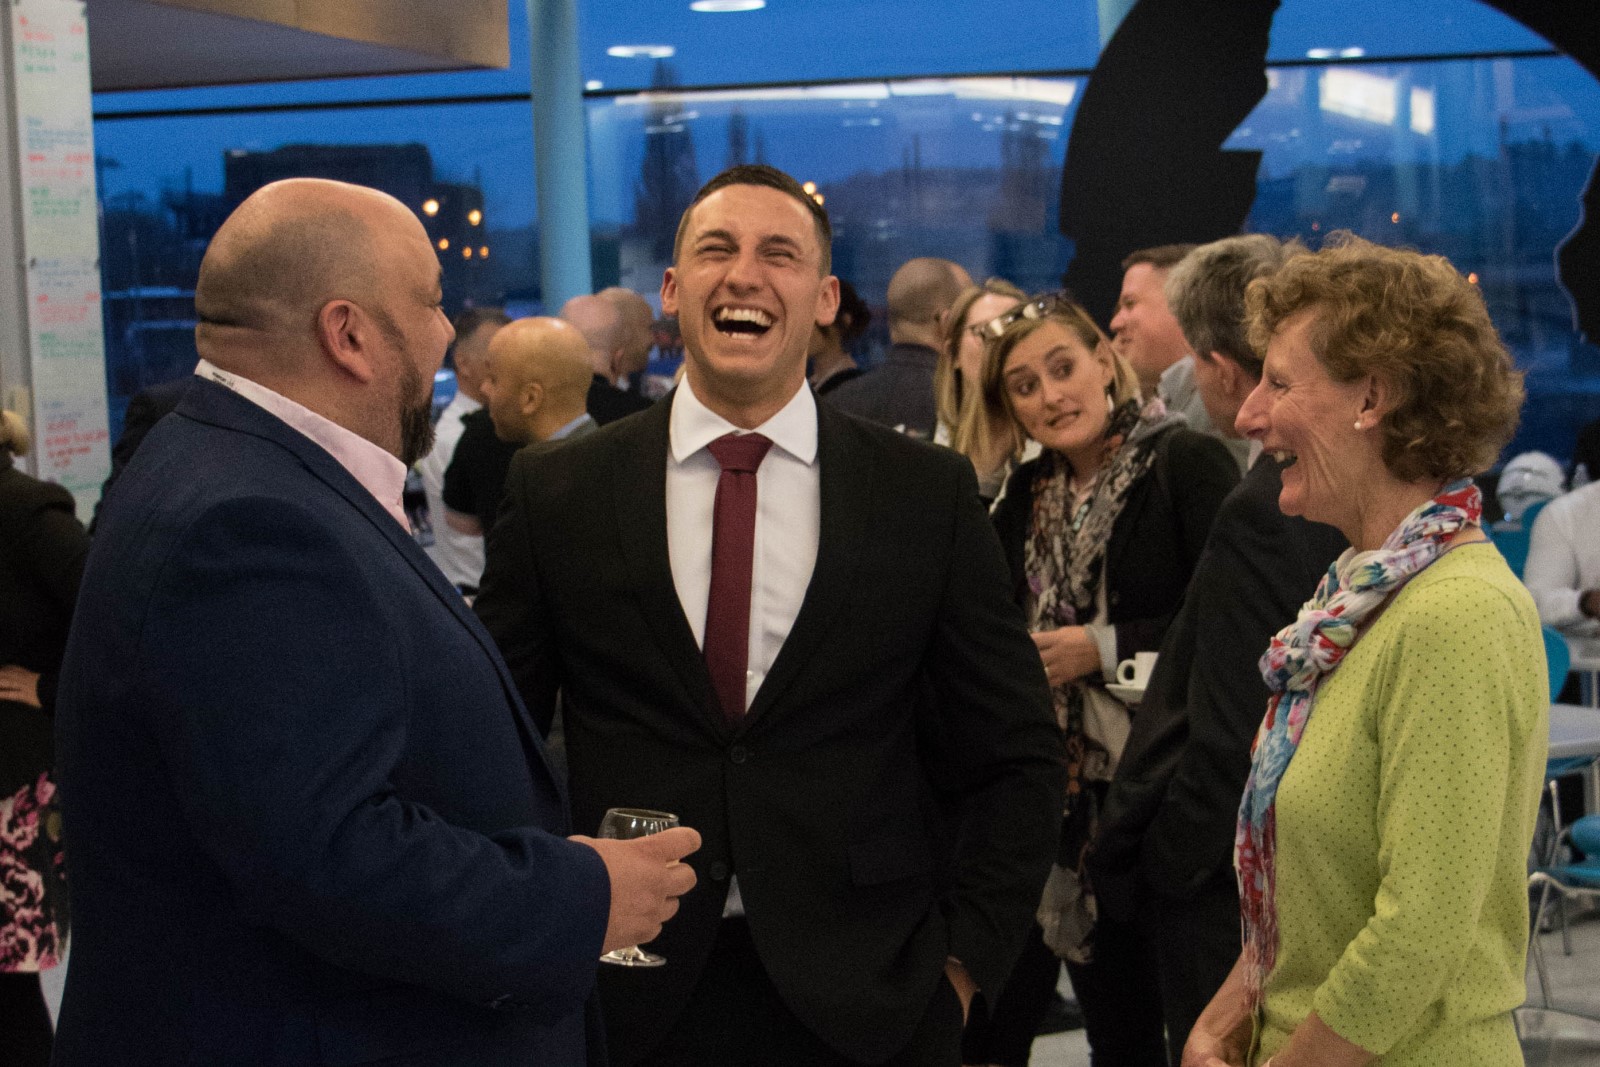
561, 165
52, 350
1112, 12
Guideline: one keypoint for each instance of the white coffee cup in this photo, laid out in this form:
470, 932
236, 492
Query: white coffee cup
1136, 671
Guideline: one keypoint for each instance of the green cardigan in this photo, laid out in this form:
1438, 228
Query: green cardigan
1404, 822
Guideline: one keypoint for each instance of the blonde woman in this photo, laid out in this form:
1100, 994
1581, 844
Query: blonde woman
1102, 532
964, 423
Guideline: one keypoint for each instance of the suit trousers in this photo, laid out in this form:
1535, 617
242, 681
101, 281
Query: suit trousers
1196, 942
25, 1035
736, 1018
1120, 997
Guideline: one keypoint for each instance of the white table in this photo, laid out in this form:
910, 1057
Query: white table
1575, 731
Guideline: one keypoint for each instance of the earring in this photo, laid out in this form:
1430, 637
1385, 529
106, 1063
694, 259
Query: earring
1358, 424
1111, 403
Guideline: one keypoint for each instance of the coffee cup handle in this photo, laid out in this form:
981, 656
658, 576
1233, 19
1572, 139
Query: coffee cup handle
1127, 670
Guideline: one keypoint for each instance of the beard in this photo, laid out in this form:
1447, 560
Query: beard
416, 421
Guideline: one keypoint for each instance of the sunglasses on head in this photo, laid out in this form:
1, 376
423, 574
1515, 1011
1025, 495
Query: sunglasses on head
1037, 308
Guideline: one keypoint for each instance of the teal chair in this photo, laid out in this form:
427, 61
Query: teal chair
1558, 657
1513, 540
1574, 879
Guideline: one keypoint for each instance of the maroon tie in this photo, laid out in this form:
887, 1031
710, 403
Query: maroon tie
733, 538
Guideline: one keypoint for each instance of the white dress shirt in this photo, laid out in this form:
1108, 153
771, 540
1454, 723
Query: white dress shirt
379, 473
788, 519
788, 524
459, 555
1564, 560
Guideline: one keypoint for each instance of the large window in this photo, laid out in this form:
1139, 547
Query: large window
1436, 123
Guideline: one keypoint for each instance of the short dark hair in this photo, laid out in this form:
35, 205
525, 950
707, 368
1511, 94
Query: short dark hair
854, 315
470, 319
771, 178
1161, 257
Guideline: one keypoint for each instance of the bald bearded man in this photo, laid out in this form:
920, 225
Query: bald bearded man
311, 821
538, 382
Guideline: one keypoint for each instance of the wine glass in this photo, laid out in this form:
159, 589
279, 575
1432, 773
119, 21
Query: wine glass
625, 824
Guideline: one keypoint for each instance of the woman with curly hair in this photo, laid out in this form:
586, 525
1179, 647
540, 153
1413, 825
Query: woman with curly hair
42, 549
1386, 821
1102, 531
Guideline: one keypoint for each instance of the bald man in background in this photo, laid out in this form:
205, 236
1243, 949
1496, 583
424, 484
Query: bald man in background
310, 819
899, 392
603, 327
538, 382
638, 331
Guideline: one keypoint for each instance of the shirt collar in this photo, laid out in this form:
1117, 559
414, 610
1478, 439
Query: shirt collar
569, 428
380, 473
693, 425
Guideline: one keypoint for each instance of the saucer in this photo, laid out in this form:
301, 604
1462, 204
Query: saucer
1128, 694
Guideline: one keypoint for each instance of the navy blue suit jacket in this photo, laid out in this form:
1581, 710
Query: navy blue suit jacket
308, 818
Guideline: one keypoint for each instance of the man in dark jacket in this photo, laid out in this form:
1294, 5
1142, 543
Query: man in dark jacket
1164, 851
899, 392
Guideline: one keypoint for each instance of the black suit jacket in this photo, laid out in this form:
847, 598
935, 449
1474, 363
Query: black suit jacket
1169, 819
897, 393
827, 801
1155, 541
606, 403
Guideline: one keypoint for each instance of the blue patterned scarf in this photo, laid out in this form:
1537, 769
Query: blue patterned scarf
1301, 655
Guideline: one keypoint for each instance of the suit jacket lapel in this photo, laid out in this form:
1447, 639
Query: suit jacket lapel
639, 501
847, 483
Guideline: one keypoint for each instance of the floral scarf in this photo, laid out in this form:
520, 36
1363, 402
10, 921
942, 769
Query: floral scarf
1064, 566
1301, 655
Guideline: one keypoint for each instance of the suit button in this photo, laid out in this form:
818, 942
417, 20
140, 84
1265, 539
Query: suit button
718, 871
738, 753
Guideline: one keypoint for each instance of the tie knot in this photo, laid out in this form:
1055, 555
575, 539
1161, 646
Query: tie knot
740, 451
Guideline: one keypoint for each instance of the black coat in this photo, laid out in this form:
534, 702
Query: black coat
825, 800
42, 552
42, 549
1169, 819
148, 407
1156, 540
606, 403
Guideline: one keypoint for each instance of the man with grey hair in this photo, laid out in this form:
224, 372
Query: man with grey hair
1163, 853
899, 393
602, 325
